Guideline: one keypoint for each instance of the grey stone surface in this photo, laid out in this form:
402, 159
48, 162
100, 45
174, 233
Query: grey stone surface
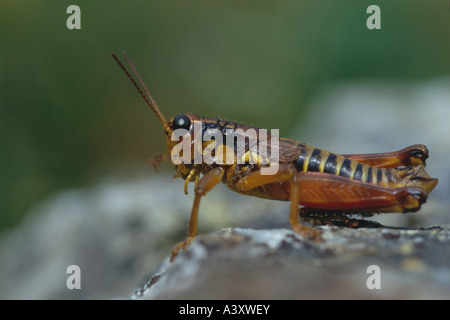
279, 264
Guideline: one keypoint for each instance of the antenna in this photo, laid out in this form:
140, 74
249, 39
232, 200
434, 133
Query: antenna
147, 96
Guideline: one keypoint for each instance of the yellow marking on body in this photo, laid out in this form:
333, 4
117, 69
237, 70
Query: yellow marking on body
323, 160
253, 157
384, 178
374, 175
223, 154
353, 165
365, 171
339, 162
308, 154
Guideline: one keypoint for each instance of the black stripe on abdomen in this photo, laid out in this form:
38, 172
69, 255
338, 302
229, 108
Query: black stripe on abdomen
330, 165
314, 161
358, 172
369, 175
346, 169
379, 175
298, 164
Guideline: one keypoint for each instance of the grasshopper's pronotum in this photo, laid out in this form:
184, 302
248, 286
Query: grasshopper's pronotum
329, 187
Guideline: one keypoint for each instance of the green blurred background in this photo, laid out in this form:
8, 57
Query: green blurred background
68, 115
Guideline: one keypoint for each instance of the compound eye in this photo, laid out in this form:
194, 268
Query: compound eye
181, 121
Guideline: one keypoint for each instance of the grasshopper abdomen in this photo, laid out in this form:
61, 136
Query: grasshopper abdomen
312, 159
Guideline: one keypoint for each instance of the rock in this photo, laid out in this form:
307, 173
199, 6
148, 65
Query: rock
241, 263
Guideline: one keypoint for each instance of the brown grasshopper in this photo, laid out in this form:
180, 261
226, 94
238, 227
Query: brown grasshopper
329, 187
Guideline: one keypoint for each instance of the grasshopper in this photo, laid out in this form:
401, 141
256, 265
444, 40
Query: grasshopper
322, 187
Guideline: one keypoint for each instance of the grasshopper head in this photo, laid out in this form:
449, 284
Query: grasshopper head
174, 125
180, 136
